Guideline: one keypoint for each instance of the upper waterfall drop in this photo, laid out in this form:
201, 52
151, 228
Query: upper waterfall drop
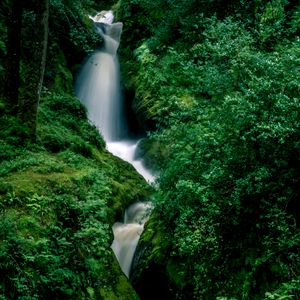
110, 32
105, 16
98, 84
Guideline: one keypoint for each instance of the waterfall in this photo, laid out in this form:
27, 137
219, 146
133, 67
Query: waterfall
98, 88
127, 234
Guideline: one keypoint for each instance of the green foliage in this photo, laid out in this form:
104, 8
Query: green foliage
58, 200
3, 34
229, 174
286, 291
63, 126
226, 110
60, 195
73, 17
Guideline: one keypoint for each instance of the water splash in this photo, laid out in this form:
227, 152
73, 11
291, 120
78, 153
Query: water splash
126, 149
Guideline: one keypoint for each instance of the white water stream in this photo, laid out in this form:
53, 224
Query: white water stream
127, 234
98, 88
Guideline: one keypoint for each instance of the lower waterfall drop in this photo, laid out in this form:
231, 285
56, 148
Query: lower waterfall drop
98, 88
127, 234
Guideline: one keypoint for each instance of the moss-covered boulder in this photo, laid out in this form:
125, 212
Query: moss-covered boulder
121, 289
156, 274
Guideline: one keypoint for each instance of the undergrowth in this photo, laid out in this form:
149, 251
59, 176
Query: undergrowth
58, 200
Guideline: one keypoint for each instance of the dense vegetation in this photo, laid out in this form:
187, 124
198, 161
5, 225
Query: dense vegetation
61, 192
59, 199
218, 83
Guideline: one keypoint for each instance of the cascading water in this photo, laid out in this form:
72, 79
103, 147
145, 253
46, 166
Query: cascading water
127, 234
98, 88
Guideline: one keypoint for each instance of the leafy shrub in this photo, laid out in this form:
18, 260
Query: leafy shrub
63, 105
68, 127
55, 142
7, 151
12, 130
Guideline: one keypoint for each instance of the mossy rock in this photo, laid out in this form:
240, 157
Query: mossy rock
152, 152
148, 275
2, 104
156, 274
121, 289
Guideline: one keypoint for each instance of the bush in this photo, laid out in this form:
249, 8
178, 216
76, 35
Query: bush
63, 125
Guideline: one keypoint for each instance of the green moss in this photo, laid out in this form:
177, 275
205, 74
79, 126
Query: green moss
57, 202
5, 186
176, 273
28, 182
2, 103
57, 208
63, 77
152, 152
154, 235
122, 289
152, 249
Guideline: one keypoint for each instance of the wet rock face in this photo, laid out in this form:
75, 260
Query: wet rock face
155, 274
121, 288
148, 274
152, 283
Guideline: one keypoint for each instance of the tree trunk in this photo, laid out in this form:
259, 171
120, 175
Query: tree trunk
11, 85
35, 56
